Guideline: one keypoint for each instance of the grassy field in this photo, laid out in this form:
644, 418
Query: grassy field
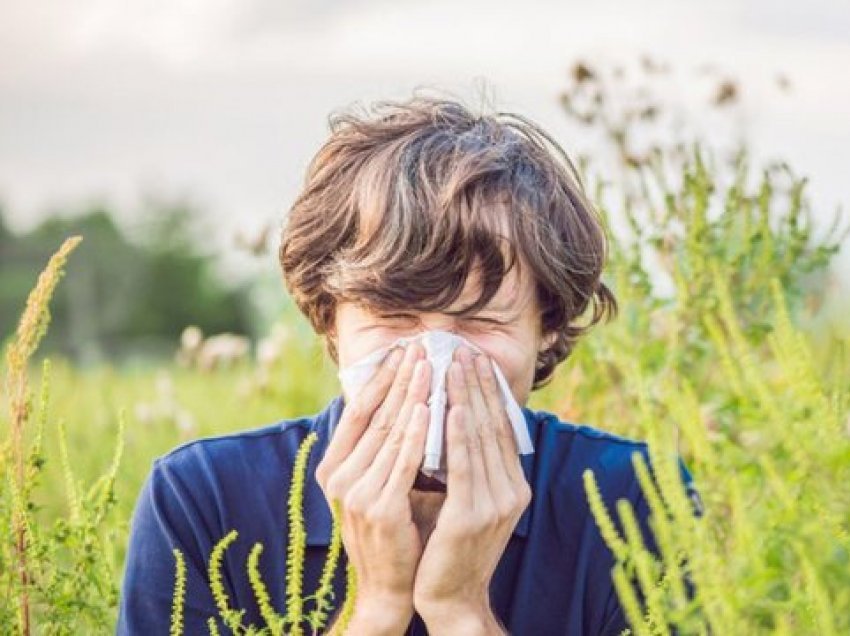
716, 364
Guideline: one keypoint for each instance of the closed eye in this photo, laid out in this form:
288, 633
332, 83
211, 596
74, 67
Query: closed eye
397, 317
489, 321
471, 319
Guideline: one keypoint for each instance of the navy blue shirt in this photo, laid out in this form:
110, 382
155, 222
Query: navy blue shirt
554, 576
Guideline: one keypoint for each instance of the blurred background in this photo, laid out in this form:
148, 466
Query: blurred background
713, 136
175, 136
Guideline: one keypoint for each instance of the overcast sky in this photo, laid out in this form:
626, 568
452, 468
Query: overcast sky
225, 101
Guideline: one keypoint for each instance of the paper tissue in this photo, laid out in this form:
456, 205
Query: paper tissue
439, 347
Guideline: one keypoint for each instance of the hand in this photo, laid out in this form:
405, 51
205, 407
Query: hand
369, 468
486, 494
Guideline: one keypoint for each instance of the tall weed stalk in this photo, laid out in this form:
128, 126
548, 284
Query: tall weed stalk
59, 578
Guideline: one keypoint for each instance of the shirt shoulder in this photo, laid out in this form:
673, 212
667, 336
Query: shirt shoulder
567, 449
210, 485
262, 457
243, 479
230, 445
193, 496
565, 536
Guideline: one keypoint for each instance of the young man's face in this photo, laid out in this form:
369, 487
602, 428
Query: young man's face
507, 329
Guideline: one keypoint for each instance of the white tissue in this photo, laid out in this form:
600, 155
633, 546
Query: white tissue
439, 347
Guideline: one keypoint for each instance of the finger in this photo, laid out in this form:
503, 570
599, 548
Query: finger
476, 397
456, 390
382, 424
495, 461
388, 455
481, 497
400, 481
459, 479
478, 474
357, 415
483, 427
387, 414
504, 432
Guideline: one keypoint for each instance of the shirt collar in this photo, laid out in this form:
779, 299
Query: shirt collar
317, 514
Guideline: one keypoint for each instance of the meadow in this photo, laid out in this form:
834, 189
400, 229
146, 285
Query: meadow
717, 355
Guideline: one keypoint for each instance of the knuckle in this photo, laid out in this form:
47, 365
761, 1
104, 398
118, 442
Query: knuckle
490, 441
321, 472
381, 425
403, 380
334, 487
416, 350
380, 421
524, 495
353, 503
396, 440
396, 436
493, 523
389, 370
372, 394
466, 525
378, 515
410, 463
487, 380
479, 523
506, 508
359, 410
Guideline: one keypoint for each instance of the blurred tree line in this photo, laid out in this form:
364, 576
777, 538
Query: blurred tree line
128, 295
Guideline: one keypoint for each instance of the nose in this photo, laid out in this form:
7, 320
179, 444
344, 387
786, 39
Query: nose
437, 322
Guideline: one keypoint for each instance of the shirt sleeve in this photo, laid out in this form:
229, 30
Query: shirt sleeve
165, 517
615, 621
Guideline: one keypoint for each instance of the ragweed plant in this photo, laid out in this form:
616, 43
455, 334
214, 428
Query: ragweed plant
292, 623
715, 266
179, 594
31, 329
60, 577
772, 550
718, 356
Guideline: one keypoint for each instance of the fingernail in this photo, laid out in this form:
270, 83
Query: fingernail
419, 369
395, 357
411, 353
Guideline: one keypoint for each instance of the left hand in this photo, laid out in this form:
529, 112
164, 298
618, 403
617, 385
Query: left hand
486, 494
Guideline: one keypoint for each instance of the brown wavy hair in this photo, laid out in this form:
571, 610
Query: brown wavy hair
406, 198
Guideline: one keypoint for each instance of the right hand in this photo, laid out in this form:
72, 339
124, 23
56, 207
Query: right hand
369, 467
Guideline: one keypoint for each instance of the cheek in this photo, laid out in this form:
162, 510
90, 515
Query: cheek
516, 358
353, 348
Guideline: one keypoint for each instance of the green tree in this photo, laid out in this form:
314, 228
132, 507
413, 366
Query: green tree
129, 295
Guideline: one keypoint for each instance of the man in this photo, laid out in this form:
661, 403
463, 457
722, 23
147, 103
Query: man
418, 217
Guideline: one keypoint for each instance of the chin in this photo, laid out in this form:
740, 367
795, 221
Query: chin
428, 484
